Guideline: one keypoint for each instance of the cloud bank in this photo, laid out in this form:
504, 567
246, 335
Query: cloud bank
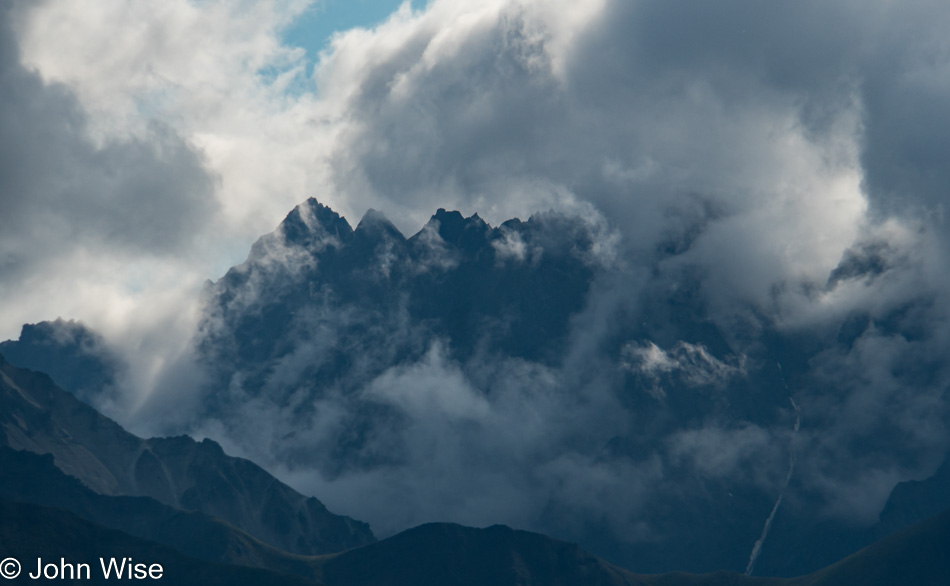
782, 165
757, 142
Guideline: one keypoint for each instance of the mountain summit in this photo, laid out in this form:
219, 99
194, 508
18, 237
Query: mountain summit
512, 289
467, 364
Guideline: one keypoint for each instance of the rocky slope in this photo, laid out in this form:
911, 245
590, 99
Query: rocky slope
37, 416
30, 531
34, 479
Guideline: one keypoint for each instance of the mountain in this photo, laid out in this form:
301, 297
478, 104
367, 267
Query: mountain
51, 515
544, 375
34, 479
31, 532
328, 324
75, 357
458, 279
915, 555
909, 503
437, 553
39, 417
442, 553
470, 365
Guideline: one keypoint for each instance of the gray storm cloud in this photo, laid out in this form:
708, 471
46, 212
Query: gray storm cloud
756, 149
91, 224
785, 161
61, 191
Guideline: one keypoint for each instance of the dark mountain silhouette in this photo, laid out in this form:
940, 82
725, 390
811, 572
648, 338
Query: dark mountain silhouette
319, 310
30, 531
448, 554
513, 288
915, 555
909, 504
80, 525
299, 342
441, 553
37, 416
32, 478
75, 357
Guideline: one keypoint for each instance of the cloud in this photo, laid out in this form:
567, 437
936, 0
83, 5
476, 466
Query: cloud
135, 165
94, 229
721, 453
496, 110
742, 145
689, 363
884, 387
743, 137
729, 145
215, 72
451, 444
779, 168
62, 191
429, 391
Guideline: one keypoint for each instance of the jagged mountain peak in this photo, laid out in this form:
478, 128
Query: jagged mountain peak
375, 225
314, 223
312, 228
456, 278
455, 229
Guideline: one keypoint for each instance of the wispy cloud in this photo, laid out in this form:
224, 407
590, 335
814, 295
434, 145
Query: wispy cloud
689, 363
781, 168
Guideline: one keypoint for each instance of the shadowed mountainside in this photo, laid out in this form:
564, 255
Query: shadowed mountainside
30, 532
32, 478
37, 416
75, 357
431, 554
366, 349
444, 553
610, 404
440, 553
918, 555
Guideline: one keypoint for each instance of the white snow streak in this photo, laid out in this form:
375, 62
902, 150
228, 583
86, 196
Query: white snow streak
757, 548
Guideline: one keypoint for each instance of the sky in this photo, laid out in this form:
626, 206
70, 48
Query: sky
154, 144
313, 29
775, 146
